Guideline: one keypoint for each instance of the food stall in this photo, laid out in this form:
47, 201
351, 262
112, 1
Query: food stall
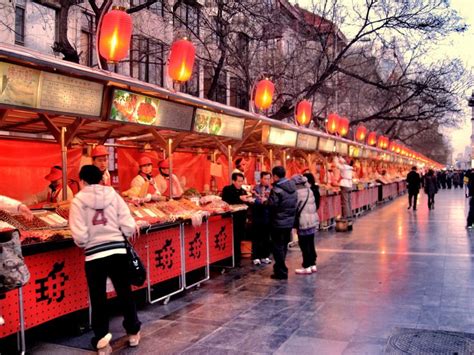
53, 111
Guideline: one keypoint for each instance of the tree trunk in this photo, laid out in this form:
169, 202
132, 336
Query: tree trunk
62, 45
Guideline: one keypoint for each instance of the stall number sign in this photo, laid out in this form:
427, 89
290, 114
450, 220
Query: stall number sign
306, 141
25, 87
149, 111
278, 136
218, 124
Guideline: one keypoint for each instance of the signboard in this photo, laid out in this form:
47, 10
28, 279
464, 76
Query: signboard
278, 136
326, 145
342, 148
25, 87
306, 141
149, 111
218, 124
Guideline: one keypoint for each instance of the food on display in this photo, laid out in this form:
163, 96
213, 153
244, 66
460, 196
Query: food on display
51, 219
129, 107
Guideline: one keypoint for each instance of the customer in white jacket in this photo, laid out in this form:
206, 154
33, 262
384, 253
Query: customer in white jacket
99, 220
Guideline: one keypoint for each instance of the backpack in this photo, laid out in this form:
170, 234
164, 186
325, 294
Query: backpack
13, 270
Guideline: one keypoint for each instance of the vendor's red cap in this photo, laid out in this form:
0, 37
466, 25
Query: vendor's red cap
54, 174
144, 160
99, 151
165, 164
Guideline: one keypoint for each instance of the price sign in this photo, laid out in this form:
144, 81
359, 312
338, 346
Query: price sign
279, 136
307, 142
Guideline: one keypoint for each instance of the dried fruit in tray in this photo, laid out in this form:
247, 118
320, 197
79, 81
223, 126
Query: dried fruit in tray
35, 223
217, 206
63, 212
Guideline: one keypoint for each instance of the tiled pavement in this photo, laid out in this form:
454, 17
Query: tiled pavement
398, 268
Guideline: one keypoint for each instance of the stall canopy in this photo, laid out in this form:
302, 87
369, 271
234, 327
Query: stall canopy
95, 105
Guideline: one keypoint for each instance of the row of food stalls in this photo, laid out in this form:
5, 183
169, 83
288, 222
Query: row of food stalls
52, 112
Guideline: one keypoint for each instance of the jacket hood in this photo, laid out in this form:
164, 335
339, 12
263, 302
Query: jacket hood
96, 197
288, 185
299, 179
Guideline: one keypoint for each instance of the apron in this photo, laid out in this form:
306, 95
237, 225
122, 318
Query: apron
53, 196
151, 184
106, 179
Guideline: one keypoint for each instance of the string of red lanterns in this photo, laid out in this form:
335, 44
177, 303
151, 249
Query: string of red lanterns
114, 42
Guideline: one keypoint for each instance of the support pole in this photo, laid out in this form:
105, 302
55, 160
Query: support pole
229, 158
271, 158
283, 158
64, 161
170, 159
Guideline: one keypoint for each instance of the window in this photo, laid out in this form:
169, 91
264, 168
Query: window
20, 22
188, 16
156, 7
220, 93
86, 50
239, 96
146, 59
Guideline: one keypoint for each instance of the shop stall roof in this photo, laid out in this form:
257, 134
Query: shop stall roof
35, 121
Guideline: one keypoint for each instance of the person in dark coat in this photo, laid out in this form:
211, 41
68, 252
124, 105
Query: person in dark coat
282, 202
431, 188
470, 195
261, 245
234, 195
414, 182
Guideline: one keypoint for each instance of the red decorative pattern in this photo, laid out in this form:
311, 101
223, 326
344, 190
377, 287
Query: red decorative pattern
9, 311
195, 247
220, 238
164, 254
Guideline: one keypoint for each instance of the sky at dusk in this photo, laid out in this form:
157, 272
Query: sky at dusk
455, 46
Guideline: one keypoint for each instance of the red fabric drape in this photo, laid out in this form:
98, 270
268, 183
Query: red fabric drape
24, 165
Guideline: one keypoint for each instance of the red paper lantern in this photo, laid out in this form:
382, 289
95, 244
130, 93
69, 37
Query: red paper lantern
372, 138
332, 124
115, 35
264, 94
343, 128
393, 146
181, 60
386, 143
361, 133
304, 112
380, 142
398, 149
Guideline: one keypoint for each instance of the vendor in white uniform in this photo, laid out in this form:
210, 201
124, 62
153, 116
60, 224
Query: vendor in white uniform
163, 181
53, 193
144, 185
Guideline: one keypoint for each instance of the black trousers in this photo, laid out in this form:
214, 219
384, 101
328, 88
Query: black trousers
280, 239
470, 215
306, 243
97, 271
261, 245
412, 196
431, 200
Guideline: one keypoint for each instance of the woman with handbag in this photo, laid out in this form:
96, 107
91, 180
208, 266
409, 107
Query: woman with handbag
99, 219
306, 223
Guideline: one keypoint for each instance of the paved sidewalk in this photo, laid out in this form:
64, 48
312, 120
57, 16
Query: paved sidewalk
397, 269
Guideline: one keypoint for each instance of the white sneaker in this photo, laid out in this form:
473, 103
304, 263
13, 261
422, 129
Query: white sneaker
303, 271
266, 261
134, 340
256, 261
314, 268
103, 345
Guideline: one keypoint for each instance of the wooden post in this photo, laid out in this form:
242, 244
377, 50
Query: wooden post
64, 161
170, 159
271, 158
229, 157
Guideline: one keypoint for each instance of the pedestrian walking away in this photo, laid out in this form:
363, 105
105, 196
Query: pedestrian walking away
431, 188
306, 223
282, 202
414, 183
100, 220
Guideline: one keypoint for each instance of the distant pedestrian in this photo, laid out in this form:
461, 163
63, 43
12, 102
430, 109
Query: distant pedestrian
470, 195
306, 223
431, 188
282, 202
346, 186
414, 182
100, 220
